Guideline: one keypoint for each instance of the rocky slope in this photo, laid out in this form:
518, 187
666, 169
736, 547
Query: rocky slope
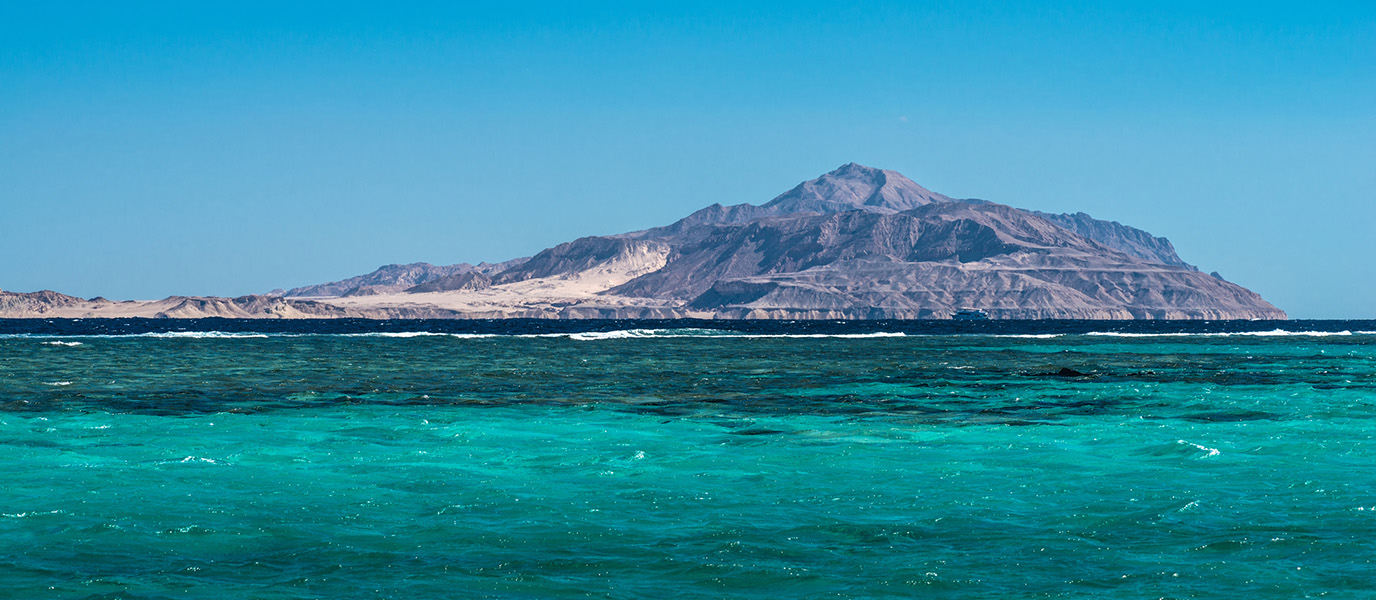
855, 243
390, 279
46, 303
850, 187
1118, 236
926, 263
51, 305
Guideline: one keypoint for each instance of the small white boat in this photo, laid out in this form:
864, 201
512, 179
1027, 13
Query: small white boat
970, 314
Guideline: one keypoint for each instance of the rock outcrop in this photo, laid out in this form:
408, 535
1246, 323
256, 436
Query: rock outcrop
1120, 237
469, 281
45, 303
391, 279
587, 254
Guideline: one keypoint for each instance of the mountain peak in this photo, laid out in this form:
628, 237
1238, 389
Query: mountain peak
854, 186
852, 168
851, 186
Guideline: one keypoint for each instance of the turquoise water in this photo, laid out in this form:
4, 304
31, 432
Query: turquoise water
687, 464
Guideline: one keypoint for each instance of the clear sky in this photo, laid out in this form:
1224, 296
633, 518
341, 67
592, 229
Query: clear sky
153, 149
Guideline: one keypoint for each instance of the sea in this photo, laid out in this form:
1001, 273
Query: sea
214, 458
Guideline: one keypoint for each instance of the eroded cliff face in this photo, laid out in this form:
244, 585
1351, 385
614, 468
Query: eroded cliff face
856, 243
391, 279
42, 304
586, 256
1120, 237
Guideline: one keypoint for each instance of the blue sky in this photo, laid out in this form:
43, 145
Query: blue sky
174, 148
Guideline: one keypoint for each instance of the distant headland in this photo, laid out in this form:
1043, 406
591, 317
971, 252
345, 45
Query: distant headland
855, 243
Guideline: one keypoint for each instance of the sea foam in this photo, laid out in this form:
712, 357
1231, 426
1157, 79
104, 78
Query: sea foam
200, 334
1272, 333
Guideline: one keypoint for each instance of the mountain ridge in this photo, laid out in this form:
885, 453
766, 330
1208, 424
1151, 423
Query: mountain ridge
854, 243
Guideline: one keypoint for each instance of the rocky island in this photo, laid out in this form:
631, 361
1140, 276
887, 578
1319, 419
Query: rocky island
855, 243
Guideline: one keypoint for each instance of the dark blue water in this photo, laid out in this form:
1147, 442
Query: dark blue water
535, 459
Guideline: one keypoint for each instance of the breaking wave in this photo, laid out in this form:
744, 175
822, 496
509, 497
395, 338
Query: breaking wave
1031, 331
1272, 333
198, 334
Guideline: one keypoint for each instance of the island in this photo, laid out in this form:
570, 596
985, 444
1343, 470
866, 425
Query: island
856, 243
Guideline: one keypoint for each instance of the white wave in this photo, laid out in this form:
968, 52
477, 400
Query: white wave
198, 459
843, 336
712, 333
1272, 333
1209, 451
58, 383
395, 334
621, 334
614, 335
200, 334
626, 334
618, 334
23, 515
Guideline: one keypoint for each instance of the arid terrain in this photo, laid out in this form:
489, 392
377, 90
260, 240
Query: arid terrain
855, 243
